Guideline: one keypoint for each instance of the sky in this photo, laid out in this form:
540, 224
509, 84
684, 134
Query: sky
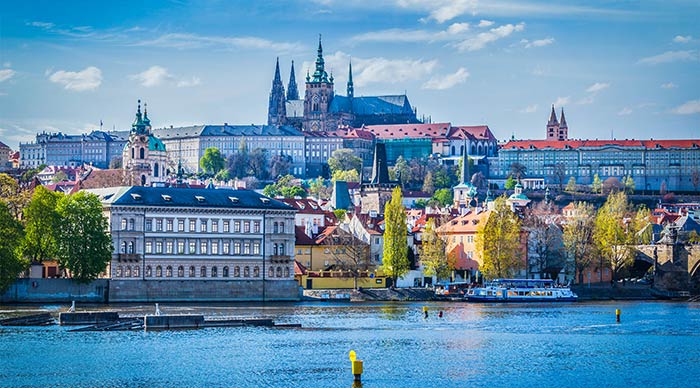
620, 69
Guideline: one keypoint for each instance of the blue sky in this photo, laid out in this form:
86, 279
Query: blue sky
628, 69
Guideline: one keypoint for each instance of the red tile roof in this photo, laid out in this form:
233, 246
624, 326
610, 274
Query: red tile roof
574, 144
472, 132
299, 269
409, 131
353, 133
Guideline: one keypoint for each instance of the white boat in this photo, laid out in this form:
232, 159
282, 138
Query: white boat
521, 290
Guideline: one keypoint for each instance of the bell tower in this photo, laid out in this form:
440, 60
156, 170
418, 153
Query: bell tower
318, 96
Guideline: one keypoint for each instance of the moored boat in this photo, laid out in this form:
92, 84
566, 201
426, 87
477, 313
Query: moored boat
521, 290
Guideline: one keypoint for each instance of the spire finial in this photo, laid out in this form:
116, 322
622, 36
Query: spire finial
138, 109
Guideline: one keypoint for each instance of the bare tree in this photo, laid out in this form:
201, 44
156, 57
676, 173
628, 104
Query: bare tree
518, 170
695, 178
545, 240
559, 173
350, 254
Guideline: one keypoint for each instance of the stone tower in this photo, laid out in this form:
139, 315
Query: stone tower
144, 156
377, 192
563, 133
465, 192
351, 86
292, 90
276, 110
318, 96
553, 126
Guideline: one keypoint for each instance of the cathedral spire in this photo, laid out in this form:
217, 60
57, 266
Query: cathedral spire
139, 126
553, 117
320, 74
380, 171
278, 78
465, 176
351, 87
563, 120
292, 90
276, 109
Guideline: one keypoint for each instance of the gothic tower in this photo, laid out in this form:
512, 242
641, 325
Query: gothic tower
318, 96
276, 110
553, 126
377, 192
351, 87
563, 127
292, 90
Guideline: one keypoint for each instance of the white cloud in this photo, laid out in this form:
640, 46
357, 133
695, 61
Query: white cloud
485, 23
183, 41
669, 85
482, 39
441, 10
153, 76
561, 101
447, 81
689, 108
586, 100
186, 83
598, 86
89, 78
6, 74
682, 39
44, 25
529, 109
625, 111
537, 43
671, 56
455, 31
456, 28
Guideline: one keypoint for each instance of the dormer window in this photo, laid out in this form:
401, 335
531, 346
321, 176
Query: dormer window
166, 197
199, 198
136, 197
234, 199
265, 200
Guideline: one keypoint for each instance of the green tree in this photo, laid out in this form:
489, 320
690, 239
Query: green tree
571, 185
428, 185
344, 159
285, 187
578, 237
518, 171
345, 176
84, 245
59, 177
498, 242
402, 170
510, 183
319, 188
433, 256
238, 162
443, 197
42, 224
597, 184
629, 185
441, 178
339, 214
280, 165
293, 191
694, 237
395, 261
12, 195
613, 236
642, 226
212, 162
11, 261
257, 164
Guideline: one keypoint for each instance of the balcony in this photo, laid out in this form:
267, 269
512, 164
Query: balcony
280, 258
129, 257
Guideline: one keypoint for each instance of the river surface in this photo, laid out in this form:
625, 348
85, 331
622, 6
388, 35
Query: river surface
657, 344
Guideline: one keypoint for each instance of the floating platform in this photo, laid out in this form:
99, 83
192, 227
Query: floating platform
44, 319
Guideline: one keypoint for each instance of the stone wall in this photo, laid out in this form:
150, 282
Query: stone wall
202, 290
56, 291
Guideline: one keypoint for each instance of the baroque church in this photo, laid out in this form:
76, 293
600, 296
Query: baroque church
144, 156
322, 110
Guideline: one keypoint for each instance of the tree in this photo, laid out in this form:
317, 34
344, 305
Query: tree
12, 195
612, 185
212, 162
428, 186
84, 245
559, 173
545, 242
571, 185
350, 254
597, 184
641, 225
42, 224
518, 171
693, 237
11, 261
578, 237
443, 197
402, 170
238, 162
116, 163
498, 242
629, 184
319, 188
31, 173
285, 187
280, 165
478, 180
441, 178
695, 179
395, 261
345, 176
340, 214
433, 256
59, 177
293, 192
510, 183
663, 188
613, 236
344, 159
257, 164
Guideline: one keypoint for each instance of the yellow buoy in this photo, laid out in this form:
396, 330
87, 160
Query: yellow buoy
617, 315
356, 365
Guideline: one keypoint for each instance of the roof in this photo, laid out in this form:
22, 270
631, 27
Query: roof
301, 237
467, 223
409, 131
227, 130
95, 179
476, 132
295, 108
155, 144
299, 269
187, 197
304, 206
5, 146
574, 144
372, 105
354, 133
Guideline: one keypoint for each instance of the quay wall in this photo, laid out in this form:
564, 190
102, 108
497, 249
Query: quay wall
56, 291
202, 291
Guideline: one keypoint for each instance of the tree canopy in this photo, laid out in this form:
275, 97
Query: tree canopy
285, 187
433, 256
344, 159
498, 242
578, 237
11, 261
42, 223
612, 235
212, 162
395, 261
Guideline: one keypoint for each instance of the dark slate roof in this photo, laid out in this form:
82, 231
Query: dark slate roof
372, 105
250, 130
187, 197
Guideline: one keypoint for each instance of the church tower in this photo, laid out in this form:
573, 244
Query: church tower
351, 87
276, 110
318, 96
553, 126
465, 191
144, 156
377, 192
292, 90
563, 127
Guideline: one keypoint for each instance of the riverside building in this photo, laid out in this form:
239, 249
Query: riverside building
184, 244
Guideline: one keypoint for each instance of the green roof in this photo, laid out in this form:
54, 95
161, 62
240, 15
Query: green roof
155, 144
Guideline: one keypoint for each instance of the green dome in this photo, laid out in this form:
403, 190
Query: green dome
155, 144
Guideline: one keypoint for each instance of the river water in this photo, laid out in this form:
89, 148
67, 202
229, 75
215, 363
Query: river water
560, 345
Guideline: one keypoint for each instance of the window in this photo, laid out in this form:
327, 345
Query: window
131, 247
203, 225
132, 224
203, 247
279, 272
180, 225
214, 247
124, 223
169, 225
282, 251
226, 248
180, 247
236, 271
169, 271
215, 226
256, 272
237, 248
159, 271
246, 271
180, 271
159, 247
274, 250
224, 273
256, 247
148, 271
246, 226
149, 247
193, 225
226, 226
214, 272
193, 247
286, 272
169, 247
203, 272
119, 271
192, 271
159, 225
281, 227
246, 247
136, 271
123, 246
275, 228
149, 225
237, 226
256, 226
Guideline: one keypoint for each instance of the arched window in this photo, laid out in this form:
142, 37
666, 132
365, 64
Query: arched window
236, 271
271, 272
473, 149
181, 272
214, 272
142, 153
256, 271
275, 227
149, 272
119, 271
453, 150
127, 271
480, 149
246, 272
281, 251
279, 272
225, 272
169, 271
155, 170
136, 271
192, 271
461, 150
159, 271
143, 180
281, 227
131, 247
286, 272
123, 246
132, 224
132, 152
203, 272
274, 249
